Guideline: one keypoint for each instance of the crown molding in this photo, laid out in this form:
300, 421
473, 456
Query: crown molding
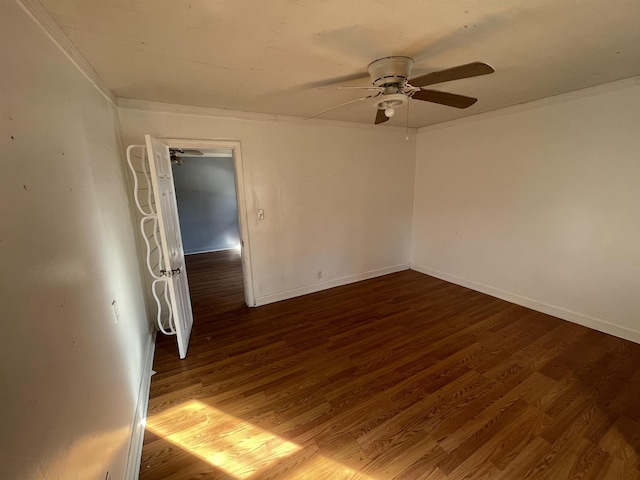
618, 85
40, 15
151, 106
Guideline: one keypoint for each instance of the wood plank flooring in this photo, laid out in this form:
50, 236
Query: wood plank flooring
399, 377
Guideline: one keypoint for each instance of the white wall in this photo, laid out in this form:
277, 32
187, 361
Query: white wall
336, 198
540, 206
69, 374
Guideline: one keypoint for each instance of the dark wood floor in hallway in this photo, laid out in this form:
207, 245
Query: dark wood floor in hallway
399, 377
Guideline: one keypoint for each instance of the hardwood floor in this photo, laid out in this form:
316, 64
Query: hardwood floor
399, 377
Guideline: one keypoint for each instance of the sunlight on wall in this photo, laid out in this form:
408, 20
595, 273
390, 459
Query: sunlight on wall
237, 447
86, 457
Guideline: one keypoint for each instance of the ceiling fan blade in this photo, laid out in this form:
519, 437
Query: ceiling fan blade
187, 151
352, 87
342, 105
380, 117
444, 98
456, 73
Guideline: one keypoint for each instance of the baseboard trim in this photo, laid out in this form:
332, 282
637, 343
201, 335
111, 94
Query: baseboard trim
562, 313
140, 416
210, 251
297, 292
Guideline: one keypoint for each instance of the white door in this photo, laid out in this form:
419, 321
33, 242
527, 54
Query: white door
171, 240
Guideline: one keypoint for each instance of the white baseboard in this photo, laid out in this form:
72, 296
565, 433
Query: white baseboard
198, 252
563, 313
317, 287
140, 416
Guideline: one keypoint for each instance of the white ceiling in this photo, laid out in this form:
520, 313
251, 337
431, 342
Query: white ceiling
271, 56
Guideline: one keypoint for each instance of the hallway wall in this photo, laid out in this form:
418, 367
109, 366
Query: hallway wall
207, 206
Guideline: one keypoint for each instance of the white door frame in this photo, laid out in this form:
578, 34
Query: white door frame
241, 192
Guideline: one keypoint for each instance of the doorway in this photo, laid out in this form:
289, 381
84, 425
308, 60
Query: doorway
216, 192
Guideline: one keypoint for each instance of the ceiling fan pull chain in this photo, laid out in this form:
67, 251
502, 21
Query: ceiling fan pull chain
407, 136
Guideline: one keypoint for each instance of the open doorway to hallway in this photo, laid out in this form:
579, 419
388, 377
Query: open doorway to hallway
209, 181
206, 193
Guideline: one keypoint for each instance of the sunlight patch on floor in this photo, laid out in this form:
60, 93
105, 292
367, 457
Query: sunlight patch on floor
237, 447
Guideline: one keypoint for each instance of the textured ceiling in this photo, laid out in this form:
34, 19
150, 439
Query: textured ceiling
270, 57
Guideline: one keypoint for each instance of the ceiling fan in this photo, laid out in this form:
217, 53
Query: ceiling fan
393, 88
175, 154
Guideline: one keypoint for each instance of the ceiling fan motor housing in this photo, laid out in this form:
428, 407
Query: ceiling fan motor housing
390, 71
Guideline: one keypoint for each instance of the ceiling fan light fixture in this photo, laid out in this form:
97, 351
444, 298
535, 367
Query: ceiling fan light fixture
390, 102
